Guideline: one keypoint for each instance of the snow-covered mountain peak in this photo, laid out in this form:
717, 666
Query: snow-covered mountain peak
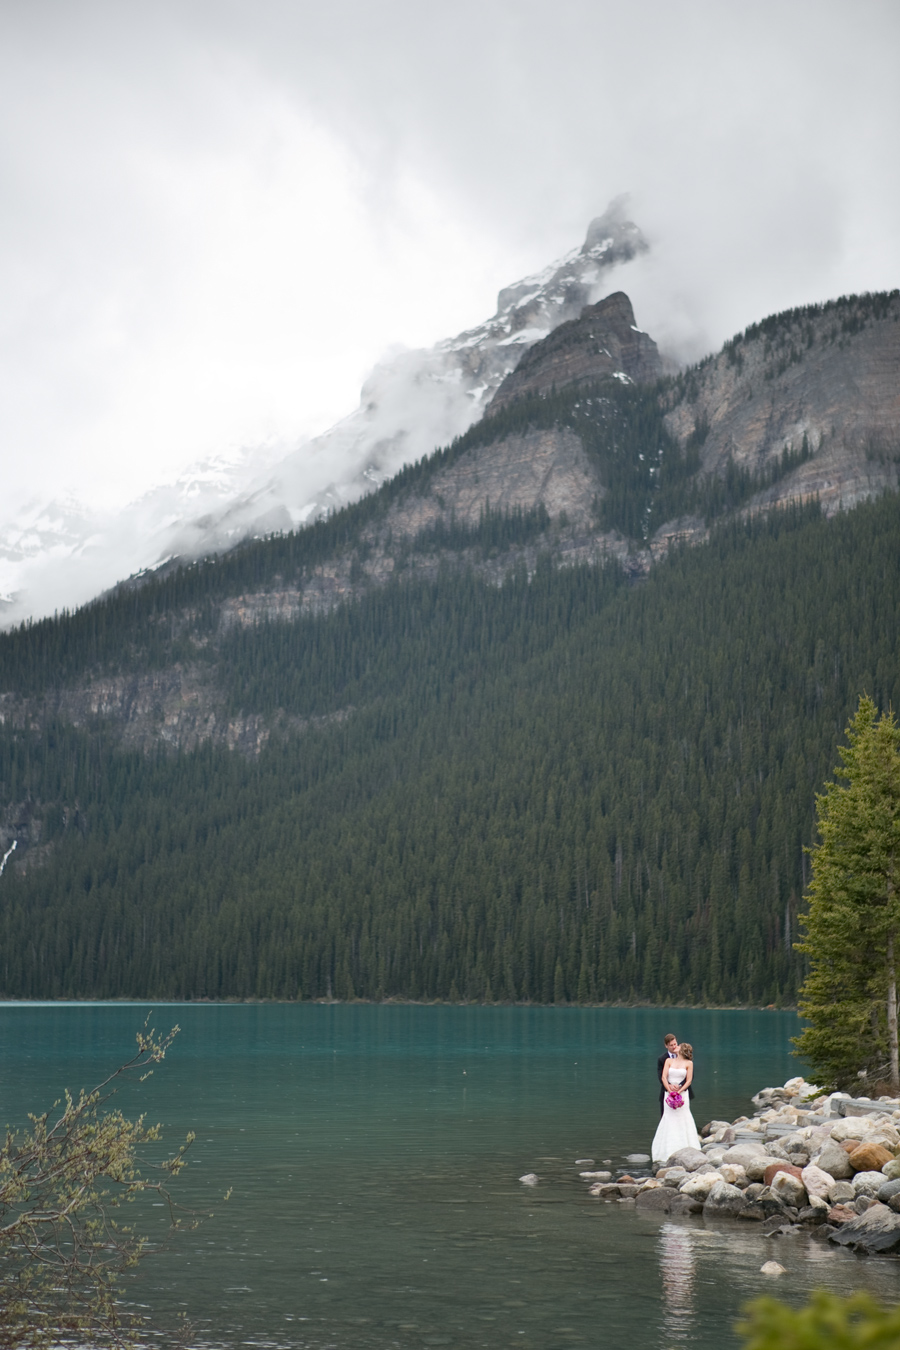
60, 555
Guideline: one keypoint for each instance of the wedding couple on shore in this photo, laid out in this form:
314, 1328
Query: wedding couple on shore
675, 1070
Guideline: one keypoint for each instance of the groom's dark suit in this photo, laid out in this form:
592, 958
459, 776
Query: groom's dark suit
660, 1063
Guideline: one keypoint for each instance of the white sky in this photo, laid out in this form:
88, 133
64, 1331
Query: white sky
215, 215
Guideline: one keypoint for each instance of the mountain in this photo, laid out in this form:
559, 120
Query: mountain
541, 717
574, 460
60, 554
417, 400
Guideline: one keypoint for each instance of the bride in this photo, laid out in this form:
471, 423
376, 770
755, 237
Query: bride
676, 1127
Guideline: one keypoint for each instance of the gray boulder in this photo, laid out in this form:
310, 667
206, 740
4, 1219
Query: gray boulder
835, 1160
888, 1190
878, 1230
841, 1193
688, 1158
770, 1202
867, 1183
743, 1154
655, 1201
789, 1189
756, 1168
724, 1199
684, 1204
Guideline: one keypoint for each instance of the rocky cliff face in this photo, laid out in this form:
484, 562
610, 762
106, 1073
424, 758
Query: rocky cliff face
602, 342
827, 378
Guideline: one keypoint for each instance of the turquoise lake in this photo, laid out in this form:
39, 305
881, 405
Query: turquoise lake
374, 1154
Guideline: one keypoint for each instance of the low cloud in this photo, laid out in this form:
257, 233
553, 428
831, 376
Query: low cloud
218, 216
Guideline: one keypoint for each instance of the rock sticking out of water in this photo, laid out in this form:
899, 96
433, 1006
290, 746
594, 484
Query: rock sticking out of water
529, 1179
772, 1268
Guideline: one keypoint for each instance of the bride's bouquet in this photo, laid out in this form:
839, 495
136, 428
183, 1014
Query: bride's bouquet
674, 1100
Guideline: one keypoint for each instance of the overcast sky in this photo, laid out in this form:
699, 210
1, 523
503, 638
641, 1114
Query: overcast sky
217, 214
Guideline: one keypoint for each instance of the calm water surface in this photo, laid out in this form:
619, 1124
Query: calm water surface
374, 1155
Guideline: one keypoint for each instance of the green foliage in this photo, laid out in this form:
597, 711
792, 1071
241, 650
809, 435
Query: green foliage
63, 1184
827, 1322
853, 922
568, 787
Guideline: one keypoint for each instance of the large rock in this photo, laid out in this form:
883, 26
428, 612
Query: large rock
878, 1230
684, 1204
853, 1127
672, 1176
816, 1181
834, 1160
842, 1192
788, 1188
888, 1190
869, 1157
734, 1174
699, 1185
655, 1201
775, 1168
743, 1154
892, 1169
756, 1167
770, 1202
691, 1159
867, 1183
724, 1200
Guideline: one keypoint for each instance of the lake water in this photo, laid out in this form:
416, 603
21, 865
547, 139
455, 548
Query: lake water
374, 1155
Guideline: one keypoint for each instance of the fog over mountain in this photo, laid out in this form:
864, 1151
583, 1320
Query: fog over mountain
58, 554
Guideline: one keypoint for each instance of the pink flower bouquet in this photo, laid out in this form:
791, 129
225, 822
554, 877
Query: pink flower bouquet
674, 1100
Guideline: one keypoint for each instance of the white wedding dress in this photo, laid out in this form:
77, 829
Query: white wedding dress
676, 1127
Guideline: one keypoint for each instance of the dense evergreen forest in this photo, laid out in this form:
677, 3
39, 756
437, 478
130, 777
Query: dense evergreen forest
565, 788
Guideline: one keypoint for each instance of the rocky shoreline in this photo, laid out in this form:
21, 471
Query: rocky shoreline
829, 1164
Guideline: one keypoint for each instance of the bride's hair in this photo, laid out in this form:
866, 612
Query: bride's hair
687, 1051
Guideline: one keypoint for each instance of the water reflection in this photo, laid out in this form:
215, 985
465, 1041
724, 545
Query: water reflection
677, 1266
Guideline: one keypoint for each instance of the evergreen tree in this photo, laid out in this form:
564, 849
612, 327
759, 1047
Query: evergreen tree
853, 921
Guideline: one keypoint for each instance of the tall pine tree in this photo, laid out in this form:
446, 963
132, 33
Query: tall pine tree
853, 922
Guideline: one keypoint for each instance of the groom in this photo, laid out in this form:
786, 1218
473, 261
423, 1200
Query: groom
670, 1052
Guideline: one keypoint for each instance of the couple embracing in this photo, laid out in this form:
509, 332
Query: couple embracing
676, 1126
